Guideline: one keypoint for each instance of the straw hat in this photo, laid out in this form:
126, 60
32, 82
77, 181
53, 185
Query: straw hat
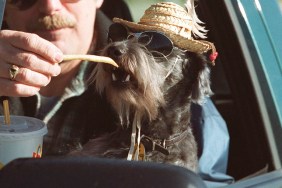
178, 23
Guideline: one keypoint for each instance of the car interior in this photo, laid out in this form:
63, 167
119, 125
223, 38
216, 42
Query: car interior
234, 92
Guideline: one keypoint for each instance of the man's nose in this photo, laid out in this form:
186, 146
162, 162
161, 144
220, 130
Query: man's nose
50, 6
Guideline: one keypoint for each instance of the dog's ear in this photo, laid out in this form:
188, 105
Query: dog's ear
200, 76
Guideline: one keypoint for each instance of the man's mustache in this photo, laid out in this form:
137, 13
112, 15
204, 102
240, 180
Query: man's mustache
52, 22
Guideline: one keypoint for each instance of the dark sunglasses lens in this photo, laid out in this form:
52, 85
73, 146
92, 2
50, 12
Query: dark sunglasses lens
156, 42
22, 4
117, 32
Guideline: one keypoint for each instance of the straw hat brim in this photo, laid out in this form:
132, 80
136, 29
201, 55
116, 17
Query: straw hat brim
197, 46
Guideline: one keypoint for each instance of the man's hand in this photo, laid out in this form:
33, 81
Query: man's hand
36, 58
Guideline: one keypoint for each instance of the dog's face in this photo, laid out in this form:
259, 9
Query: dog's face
151, 73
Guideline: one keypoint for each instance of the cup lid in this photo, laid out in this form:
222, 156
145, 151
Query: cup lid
21, 126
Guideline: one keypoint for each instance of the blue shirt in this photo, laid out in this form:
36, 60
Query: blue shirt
213, 144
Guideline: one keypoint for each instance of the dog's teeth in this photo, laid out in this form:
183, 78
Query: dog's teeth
114, 77
127, 78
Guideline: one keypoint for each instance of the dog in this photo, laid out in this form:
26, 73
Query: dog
151, 92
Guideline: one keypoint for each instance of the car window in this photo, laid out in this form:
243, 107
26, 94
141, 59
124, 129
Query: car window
262, 20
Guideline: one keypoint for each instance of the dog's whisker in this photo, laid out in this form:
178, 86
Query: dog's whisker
158, 54
170, 71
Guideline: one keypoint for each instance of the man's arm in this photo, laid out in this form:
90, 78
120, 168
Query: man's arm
213, 143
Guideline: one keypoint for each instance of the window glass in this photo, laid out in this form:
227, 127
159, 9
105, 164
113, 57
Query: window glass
138, 7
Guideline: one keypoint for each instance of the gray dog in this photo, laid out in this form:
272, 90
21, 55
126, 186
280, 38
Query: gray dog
151, 92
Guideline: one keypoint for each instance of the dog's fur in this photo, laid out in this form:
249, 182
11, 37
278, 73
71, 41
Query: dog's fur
159, 92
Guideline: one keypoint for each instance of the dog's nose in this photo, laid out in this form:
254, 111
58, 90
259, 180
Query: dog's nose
115, 51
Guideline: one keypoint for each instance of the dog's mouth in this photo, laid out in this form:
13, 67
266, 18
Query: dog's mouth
119, 75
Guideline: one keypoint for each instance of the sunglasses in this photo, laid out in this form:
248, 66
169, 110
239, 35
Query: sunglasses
26, 4
156, 42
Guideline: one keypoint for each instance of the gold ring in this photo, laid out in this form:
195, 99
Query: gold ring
13, 71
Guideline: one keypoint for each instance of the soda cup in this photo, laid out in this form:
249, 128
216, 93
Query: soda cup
23, 137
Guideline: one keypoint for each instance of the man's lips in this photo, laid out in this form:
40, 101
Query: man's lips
51, 34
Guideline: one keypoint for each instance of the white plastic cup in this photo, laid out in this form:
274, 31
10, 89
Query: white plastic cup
22, 138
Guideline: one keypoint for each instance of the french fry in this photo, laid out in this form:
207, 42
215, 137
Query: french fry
92, 58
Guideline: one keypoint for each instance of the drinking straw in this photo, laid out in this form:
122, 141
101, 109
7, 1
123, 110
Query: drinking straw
7, 119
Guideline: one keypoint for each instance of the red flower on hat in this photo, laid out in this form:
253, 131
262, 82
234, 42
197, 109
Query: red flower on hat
213, 56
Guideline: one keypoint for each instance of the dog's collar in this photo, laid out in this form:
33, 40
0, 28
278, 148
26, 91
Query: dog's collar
151, 144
